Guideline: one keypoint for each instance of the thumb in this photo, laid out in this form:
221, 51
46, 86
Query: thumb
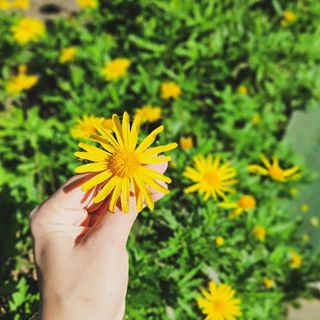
114, 228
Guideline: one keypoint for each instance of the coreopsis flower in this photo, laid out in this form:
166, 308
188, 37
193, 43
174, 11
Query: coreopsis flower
27, 30
186, 143
273, 169
67, 54
219, 241
259, 232
219, 302
21, 82
256, 118
85, 126
116, 69
243, 89
268, 283
20, 4
170, 90
88, 4
288, 17
212, 179
121, 165
149, 113
246, 202
295, 260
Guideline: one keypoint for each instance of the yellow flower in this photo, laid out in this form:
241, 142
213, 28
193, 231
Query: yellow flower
259, 232
305, 237
85, 126
294, 192
186, 143
219, 241
211, 178
273, 170
149, 113
67, 54
304, 208
115, 69
288, 17
268, 283
28, 29
295, 260
243, 89
88, 4
314, 221
21, 81
121, 166
5, 5
219, 303
170, 90
20, 4
256, 118
245, 202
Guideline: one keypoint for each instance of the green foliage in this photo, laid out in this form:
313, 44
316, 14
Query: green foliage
209, 48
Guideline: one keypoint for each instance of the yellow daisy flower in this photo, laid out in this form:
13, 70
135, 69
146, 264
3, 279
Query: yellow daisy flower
259, 232
20, 4
256, 118
219, 302
88, 4
186, 143
293, 191
21, 81
211, 178
5, 5
305, 237
115, 69
273, 170
27, 30
243, 89
85, 126
149, 113
170, 90
122, 166
268, 283
304, 208
67, 54
314, 221
295, 260
219, 241
245, 202
288, 17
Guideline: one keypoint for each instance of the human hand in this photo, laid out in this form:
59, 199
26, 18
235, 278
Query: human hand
80, 253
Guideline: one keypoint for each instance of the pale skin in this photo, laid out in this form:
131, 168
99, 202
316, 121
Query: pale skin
80, 253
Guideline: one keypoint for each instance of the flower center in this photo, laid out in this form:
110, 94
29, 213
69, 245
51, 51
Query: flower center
276, 173
247, 202
123, 163
219, 306
212, 179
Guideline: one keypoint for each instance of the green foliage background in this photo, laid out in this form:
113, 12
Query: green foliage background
209, 48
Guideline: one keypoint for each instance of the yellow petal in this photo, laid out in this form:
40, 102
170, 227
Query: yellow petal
291, 171
105, 144
155, 174
159, 149
192, 188
257, 169
265, 160
88, 156
155, 185
125, 195
115, 194
126, 129
90, 167
149, 139
117, 129
154, 160
94, 150
97, 179
144, 191
105, 191
134, 132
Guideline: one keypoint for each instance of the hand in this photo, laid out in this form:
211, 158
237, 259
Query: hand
80, 253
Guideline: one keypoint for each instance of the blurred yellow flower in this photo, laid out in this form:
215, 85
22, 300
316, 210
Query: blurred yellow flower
21, 81
121, 165
5, 5
88, 4
245, 202
288, 17
149, 113
85, 126
20, 4
115, 69
219, 302
170, 90
293, 191
219, 241
211, 178
256, 118
186, 143
314, 221
295, 260
243, 89
304, 208
27, 30
268, 283
305, 237
259, 232
67, 54
273, 170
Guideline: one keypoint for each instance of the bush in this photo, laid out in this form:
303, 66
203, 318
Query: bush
243, 67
